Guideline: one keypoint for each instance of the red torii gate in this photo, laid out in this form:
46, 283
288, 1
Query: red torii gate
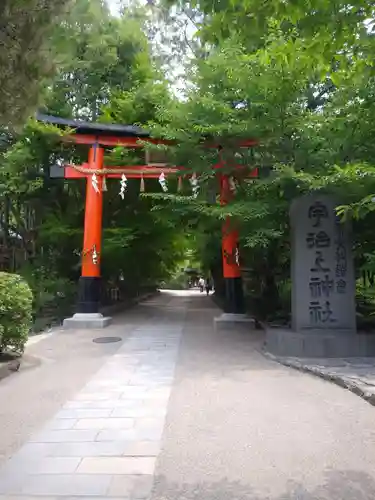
98, 136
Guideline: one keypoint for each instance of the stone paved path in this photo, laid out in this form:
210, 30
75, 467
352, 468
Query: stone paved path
105, 440
178, 411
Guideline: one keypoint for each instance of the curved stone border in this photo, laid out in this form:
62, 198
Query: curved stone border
360, 388
9, 367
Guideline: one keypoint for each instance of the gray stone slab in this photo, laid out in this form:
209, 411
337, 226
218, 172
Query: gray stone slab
73, 435
46, 465
95, 449
105, 423
134, 392
27, 497
101, 449
60, 425
35, 450
104, 404
86, 322
117, 465
117, 435
287, 343
67, 485
142, 448
79, 413
231, 320
96, 396
107, 387
11, 483
141, 411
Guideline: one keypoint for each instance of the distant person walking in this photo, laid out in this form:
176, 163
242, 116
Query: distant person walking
201, 284
208, 286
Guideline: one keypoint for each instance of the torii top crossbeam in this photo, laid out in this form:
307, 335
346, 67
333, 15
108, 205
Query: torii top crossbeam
113, 135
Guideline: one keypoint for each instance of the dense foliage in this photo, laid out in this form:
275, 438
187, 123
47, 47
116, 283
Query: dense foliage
15, 312
26, 59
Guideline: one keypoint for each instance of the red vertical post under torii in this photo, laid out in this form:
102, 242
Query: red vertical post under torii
89, 283
234, 302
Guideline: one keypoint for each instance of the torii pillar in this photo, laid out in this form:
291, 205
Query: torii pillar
234, 297
89, 290
234, 306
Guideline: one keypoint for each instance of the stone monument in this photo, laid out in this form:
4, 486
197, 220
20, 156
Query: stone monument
323, 286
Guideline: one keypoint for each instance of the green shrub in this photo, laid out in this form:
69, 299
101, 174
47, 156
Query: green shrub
53, 296
15, 312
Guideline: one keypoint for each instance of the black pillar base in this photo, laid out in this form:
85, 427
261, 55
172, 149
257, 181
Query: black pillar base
88, 295
234, 297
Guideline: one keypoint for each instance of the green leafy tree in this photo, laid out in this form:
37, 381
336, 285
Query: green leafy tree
296, 78
26, 60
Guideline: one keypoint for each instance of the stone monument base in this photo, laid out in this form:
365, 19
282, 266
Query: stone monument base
283, 342
86, 321
228, 320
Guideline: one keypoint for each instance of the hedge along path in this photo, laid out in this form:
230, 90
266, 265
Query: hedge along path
16, 303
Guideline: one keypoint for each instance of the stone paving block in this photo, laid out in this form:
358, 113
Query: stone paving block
105, 404
77, 405
150, 384
105, 423
58, 424
44, 465
141, 383
83, 413
108, 389
73, 435
96, 396
117, 435
95, 449
24, 497
67, 485
142, 449
135, 487
117, 465
134, 392
140, 411
102, 380
11, 483
76, 498
35, 450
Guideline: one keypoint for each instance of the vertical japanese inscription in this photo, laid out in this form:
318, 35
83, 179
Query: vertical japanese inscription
321, 283
341, 265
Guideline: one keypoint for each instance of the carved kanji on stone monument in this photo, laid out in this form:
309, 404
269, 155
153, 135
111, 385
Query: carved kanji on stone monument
322, 267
